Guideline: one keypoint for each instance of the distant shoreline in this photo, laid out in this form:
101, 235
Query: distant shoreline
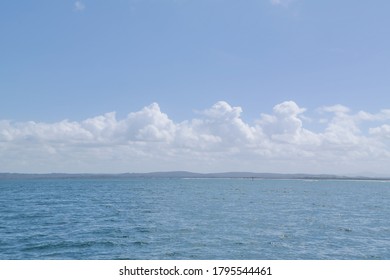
189, 175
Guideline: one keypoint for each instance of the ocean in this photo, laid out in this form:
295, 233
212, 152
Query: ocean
213, 219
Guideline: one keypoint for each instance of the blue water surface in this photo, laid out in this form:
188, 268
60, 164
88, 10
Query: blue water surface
194, 219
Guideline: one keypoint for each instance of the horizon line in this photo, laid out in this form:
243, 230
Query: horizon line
181, 174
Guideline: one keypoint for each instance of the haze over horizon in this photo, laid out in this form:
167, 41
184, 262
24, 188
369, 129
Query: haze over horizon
286, 86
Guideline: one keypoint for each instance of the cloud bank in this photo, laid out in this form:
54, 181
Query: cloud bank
217, 139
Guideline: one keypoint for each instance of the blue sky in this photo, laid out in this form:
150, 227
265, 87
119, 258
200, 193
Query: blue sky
76, 60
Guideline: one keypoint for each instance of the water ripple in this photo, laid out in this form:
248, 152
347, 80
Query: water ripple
194, 219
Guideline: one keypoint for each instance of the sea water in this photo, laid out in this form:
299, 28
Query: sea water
194, 219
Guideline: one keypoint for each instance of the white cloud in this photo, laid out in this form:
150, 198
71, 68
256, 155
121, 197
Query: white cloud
79, 6
149, 124
284, 121
225, 122
217, 140
382, 131
337, 109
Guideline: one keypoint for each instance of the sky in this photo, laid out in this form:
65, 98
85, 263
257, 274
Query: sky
290, 86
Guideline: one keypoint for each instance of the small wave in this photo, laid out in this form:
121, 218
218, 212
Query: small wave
345, 229
142, 229
66, 245
139, 243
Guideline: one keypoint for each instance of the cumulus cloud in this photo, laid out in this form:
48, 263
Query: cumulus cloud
382, 131
285, 124
218, 139
225, 121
